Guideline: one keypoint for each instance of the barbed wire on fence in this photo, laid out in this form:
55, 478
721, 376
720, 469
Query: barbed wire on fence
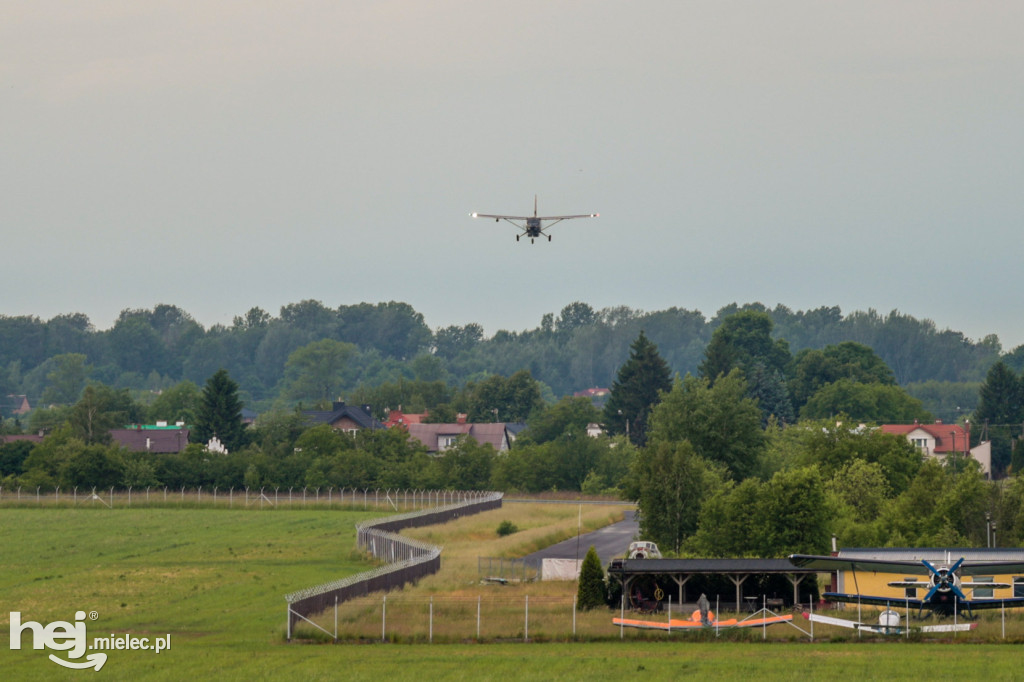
112, 497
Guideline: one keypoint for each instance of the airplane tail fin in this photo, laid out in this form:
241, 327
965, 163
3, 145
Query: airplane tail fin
534, 205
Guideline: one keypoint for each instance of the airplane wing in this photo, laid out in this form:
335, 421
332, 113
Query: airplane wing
1012, 603
832, 563
871, 600
499, 217
991, 567
568, 217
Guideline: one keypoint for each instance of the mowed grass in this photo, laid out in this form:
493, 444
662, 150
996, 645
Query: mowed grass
214, 580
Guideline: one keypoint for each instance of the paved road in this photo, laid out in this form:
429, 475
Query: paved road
610, 542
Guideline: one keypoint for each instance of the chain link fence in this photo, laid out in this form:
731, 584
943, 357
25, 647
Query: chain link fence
384, 499
408, 559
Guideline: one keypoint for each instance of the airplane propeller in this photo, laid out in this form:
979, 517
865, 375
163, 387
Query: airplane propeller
944, 580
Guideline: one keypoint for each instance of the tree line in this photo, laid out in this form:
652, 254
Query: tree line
759, 452
310, 352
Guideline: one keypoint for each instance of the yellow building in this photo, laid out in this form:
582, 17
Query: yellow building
979, 566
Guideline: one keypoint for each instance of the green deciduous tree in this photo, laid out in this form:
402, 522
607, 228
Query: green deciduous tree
720, 421
673, 482
100, 409
177, 403
317, 371
67, 376
567, 414
497, 399
871, 403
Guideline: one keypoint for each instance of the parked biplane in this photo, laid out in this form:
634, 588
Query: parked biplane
945, 594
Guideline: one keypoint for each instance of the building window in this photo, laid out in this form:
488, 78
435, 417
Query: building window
445, 442
983, 592
910, 592
1018, 586
921, 443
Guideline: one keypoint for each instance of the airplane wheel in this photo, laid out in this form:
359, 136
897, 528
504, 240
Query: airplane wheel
517, 237
531, 241
549, 237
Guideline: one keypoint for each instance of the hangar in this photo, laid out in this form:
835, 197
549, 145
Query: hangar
738, 571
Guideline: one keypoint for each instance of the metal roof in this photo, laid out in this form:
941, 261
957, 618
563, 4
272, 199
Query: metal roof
710, 566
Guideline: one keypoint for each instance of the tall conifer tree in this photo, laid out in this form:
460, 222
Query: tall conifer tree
637, 390
220, 412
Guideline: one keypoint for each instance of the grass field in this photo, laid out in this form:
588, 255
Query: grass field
214, 580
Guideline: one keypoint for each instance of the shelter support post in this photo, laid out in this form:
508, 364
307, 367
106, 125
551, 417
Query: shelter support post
738, 582
681, 582
796, 580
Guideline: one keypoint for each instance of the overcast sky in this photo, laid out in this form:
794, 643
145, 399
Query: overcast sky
224, 155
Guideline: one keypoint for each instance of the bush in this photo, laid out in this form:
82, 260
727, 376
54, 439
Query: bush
507, 528
591, 589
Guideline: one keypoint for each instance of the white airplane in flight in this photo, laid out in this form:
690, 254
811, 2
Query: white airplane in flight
532, 226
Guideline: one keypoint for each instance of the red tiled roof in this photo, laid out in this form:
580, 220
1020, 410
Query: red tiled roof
947, 436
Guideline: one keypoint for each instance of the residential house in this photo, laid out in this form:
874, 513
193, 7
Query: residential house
155, 439
439, 437
342, 417
940, 440
399, 418
598, 396
16, 405
14, 438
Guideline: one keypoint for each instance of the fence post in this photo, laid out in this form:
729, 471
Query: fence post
129, 496
574, 598
622, 616
56, 496
478, 617
199, 494
384, 619
289, 622
335, 618
526, 626
111, 497
430, 631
